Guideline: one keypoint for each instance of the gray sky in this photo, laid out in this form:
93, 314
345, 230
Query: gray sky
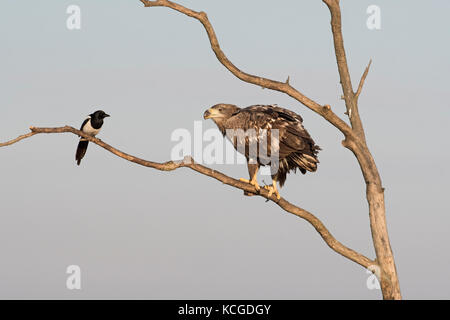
140, 233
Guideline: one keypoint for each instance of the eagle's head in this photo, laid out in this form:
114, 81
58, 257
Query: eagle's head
220, 112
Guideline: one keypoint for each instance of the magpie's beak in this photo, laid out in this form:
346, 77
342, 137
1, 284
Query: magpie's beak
107, 115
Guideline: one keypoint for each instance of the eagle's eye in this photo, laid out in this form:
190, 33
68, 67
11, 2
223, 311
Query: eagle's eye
220, 109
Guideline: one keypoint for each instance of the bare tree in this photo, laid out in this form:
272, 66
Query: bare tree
355, 141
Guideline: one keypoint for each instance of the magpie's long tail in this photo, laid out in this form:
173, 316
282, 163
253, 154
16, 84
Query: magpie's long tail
81, 150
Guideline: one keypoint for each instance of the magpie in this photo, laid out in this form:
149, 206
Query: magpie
91, 126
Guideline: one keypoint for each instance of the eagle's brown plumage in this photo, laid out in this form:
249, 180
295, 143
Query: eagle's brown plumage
296, 148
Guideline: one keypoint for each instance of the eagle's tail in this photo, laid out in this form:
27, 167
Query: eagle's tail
81, 150
303, 161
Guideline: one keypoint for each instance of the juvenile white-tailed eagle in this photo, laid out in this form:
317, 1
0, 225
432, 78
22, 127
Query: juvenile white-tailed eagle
283, 134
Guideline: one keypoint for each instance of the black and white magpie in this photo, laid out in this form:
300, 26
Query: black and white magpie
90, 126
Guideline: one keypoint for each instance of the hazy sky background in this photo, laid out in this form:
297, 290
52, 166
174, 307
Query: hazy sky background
140, 233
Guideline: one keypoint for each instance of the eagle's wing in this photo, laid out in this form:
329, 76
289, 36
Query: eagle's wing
292, 133
293, 137
297, 148
254, 117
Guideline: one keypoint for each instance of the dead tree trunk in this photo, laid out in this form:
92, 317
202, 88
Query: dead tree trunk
374, 189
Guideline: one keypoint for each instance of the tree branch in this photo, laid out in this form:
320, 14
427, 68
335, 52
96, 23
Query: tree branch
284, 87
191, 164
344, 74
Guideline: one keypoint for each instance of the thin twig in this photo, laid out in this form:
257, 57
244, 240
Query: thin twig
7, 143
363, 78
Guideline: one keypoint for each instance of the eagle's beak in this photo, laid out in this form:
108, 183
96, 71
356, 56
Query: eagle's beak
207, 114
212, 113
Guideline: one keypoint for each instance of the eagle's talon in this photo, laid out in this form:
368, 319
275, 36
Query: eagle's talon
272, 190
252, 182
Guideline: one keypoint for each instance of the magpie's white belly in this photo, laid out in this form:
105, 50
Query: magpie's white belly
88, 129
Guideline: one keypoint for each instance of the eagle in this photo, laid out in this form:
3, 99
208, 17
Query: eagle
292, 145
